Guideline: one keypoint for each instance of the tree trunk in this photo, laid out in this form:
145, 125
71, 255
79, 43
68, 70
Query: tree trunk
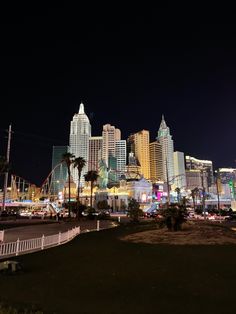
78, 192
78, 195
194, 205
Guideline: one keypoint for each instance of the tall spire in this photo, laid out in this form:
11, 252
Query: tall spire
163, 123
81, 108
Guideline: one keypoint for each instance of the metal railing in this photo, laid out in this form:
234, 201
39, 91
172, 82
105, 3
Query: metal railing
27, 246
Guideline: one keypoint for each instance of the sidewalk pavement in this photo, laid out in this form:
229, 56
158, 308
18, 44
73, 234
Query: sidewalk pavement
36, 231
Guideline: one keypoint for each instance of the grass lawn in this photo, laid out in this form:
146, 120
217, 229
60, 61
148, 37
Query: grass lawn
98, 273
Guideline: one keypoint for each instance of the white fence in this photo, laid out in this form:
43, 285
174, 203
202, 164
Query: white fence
27, 246
1, 235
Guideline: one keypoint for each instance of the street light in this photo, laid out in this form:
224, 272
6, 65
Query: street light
203, 194
168, 185
217, 191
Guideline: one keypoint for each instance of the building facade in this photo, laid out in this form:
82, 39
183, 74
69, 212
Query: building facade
80, 133
141, 142
156, 165
179, 170
227, 175
193, 163
110, 135
196, 179
167, 147
95, 152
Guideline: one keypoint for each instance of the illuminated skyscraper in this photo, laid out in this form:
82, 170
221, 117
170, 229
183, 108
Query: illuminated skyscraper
95, 152
141, 146
80, 132
227, 174
167, 147
198, 164
156, 167
179, 170
109, 137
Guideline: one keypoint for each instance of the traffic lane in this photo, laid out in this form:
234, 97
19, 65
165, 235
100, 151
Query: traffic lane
36, 231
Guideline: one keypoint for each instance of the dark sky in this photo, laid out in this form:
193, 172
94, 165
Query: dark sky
128, 67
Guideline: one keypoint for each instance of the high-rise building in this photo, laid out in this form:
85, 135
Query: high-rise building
227, 175
179, 170
203, 165
167, 148
80, 132
156, 167
95, 152
59, 169
120, 153
196, 179
141, 142
109, 137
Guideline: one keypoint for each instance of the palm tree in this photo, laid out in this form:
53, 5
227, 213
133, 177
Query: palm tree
91, 176
79, 163
68, 159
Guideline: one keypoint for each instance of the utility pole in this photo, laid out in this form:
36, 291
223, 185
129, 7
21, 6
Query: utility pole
6, 173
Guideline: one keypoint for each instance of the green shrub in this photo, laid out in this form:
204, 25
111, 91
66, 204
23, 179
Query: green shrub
173, 217
134, 211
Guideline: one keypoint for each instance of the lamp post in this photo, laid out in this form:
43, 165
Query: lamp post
217, 191
203, 194
168, 185
7, 170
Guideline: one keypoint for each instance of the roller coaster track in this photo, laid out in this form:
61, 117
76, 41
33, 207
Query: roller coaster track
47, 189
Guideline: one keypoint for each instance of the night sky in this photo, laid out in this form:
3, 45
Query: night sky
127, 67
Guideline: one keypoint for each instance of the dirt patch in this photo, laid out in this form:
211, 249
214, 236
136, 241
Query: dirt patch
193, 233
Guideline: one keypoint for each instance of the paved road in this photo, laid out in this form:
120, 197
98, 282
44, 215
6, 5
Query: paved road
36, 231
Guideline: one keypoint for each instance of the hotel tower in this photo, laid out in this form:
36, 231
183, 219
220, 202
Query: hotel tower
80, 133
167, 148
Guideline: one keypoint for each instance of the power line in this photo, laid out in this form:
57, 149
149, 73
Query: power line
39, 137
32, 136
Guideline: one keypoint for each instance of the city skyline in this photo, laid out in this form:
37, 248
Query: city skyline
127, 69
92, 135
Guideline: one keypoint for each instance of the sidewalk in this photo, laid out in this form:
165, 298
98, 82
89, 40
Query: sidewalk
36, 231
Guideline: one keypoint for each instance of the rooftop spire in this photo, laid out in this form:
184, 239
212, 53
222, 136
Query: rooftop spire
163, 123
81, 108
